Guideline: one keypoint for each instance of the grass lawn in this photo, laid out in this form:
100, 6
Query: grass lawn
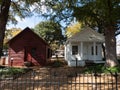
10, 71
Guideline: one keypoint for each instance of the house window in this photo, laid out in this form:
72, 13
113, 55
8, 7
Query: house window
74, 50
92, 50
96, 50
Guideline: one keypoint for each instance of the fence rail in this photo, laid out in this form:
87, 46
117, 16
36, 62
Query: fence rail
58, 80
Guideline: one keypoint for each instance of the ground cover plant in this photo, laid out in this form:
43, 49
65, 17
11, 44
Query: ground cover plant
101, 68
11, 71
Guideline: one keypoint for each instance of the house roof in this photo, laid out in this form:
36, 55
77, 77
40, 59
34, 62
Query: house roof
87, 34
26, 30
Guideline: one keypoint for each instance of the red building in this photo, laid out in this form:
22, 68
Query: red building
26, 47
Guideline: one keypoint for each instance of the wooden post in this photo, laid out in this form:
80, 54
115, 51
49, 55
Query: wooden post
81, 48
76, 62
94, 48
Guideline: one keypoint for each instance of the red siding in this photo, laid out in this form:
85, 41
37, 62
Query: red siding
16, 59
27, 46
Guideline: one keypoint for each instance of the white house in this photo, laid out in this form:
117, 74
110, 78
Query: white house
85, 45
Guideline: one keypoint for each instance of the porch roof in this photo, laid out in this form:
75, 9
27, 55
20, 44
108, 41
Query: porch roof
87, 34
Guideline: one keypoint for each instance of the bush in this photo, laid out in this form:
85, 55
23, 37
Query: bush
100, 68
113, 69
9, 72
58, 63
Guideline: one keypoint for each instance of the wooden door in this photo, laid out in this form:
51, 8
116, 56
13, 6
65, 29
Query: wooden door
28, 54
32, 54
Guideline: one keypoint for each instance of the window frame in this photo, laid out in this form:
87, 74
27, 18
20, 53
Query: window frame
74, 49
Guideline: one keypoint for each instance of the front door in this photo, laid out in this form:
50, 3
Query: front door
33, 55
29, 54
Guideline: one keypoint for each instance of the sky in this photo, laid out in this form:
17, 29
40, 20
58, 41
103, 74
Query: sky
27, 22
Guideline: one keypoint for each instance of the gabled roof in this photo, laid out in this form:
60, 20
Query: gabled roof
26, 30
87, 34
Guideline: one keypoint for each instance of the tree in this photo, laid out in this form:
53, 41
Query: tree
9, 9
72, 29
4, 11
103, 14
50, 31
10, 33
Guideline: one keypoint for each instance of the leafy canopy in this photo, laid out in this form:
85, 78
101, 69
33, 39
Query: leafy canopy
49, 31
20, 8
72, 29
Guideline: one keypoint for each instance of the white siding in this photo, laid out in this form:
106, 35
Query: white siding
87, 53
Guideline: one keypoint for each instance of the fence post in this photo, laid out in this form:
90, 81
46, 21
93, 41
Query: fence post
76, 62
116, 75
95, 74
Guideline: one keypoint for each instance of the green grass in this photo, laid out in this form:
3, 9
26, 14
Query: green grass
11, 71
100, 68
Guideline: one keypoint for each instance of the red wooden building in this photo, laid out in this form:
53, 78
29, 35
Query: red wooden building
27, 46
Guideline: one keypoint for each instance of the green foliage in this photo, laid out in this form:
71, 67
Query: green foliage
113, 69
100, 68
50, 31
73, 29
21, 8
56, 63
94, 13
11, 71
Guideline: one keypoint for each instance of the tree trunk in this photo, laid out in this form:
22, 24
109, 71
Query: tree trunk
110, 45
4, 13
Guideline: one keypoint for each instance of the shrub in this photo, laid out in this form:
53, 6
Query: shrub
58, 63
100, 68
8, 72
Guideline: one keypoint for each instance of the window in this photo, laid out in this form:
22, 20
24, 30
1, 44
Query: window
96, 50
74, 50
92, 50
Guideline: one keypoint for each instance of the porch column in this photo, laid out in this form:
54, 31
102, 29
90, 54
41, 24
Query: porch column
81, 48
94, 48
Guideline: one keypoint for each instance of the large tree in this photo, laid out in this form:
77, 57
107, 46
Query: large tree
9, 9
50, 31
4, 11
103, 14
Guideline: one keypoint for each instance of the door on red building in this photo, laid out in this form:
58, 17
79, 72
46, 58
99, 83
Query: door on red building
29, 54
